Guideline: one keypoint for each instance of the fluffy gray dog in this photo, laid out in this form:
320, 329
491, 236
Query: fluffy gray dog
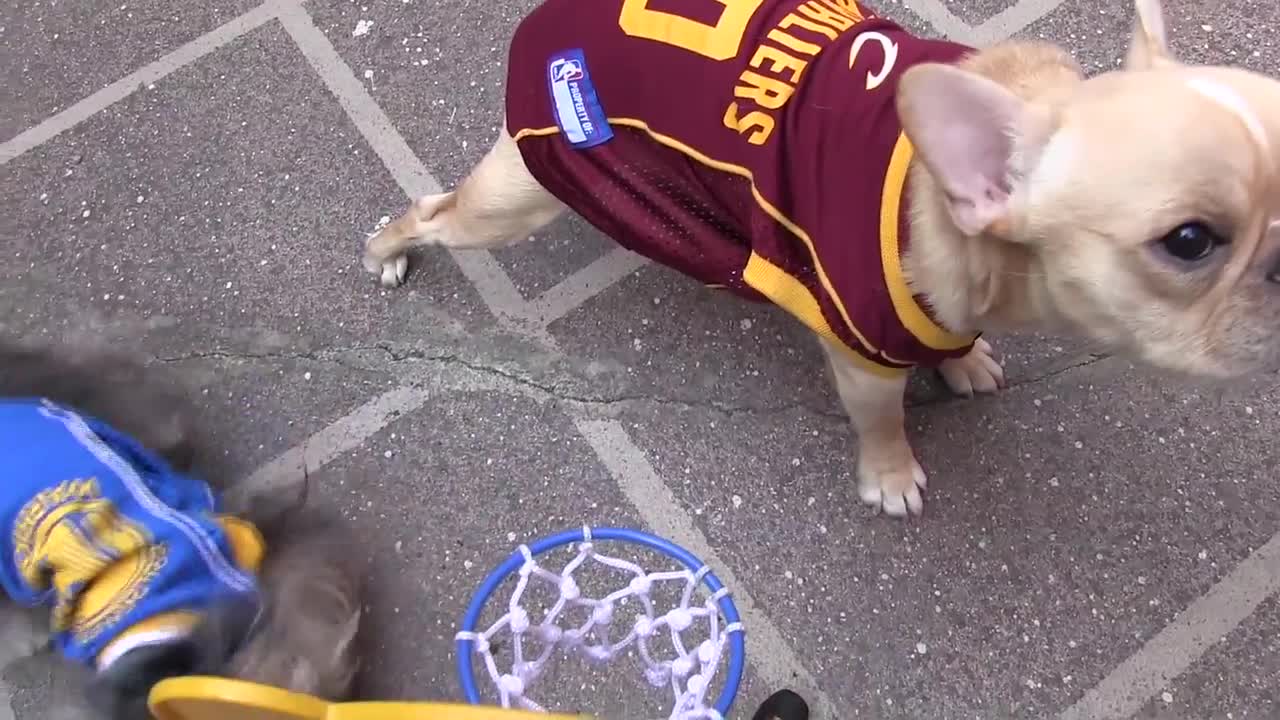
296, 626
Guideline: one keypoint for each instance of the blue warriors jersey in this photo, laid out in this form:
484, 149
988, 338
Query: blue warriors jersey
122, 548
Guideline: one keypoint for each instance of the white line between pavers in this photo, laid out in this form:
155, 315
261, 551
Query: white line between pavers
942, 19
767, 651
50, 128
344, 434
999, 27
569, 294
1011, 20
1167, 655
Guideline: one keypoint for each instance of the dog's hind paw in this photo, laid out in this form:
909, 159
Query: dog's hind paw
977, 372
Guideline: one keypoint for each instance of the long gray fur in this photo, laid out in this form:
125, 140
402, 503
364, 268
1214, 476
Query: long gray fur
305, 637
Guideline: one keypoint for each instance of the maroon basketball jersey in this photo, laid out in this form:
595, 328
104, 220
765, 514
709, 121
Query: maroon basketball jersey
751, 144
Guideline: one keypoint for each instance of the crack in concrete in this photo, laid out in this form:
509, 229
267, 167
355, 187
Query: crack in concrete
946, 397
544, 391
1090, 359
524, 384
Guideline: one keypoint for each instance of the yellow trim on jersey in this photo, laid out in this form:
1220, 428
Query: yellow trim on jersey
910, 314
247, 546
787, 292
799, 307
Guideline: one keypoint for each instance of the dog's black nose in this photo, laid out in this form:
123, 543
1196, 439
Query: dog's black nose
1274, 275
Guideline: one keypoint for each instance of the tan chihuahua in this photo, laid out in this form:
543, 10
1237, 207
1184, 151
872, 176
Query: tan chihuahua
898, 195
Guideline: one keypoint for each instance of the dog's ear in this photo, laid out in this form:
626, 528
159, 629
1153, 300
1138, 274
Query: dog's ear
970, 132
1149, 48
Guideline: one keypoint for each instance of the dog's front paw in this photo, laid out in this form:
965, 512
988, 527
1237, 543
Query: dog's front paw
390, 272
979, 371
891, 480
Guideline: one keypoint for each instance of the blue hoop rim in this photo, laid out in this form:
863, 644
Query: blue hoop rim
513, 563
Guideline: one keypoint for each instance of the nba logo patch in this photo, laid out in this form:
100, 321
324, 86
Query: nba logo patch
573, 97
564, 70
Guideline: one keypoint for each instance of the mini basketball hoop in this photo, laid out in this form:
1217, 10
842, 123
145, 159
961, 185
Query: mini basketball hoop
689, 672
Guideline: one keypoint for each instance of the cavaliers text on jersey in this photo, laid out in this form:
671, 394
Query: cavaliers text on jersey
751, 144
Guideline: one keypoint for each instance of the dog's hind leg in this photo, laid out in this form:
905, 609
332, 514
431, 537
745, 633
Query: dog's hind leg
498, 203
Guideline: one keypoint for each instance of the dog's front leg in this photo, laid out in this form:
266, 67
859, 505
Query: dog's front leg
888, 475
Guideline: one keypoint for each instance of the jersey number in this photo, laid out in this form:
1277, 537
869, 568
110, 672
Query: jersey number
720, 41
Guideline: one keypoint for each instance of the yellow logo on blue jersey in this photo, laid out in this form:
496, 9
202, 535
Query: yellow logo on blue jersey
105, 533
97, 562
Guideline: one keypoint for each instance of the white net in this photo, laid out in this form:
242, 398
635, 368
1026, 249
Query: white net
688, 671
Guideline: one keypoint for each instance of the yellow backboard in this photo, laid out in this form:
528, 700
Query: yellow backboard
212, 698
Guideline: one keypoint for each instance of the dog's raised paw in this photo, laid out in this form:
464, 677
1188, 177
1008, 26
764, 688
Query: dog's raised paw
976, 372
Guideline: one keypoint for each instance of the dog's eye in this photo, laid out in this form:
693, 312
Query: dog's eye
1191, 242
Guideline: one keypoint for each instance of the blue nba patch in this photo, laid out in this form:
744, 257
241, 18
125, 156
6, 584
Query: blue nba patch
573, 97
